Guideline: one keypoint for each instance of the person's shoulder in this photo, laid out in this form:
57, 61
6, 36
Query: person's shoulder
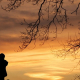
5, 61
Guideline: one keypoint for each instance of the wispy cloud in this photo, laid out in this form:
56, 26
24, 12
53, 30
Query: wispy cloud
43, 76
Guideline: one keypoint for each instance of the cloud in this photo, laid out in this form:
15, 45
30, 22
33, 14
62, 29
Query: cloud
9, 38
9, 43
43, 76
7, 23
27, 13
39, 54
35, 61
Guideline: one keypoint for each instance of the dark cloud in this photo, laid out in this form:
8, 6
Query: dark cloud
9, 39
27, 13
8, 23
9, 43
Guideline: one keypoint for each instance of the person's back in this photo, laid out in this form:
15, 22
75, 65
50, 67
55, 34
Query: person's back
3, 64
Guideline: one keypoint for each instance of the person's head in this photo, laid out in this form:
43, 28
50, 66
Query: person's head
2, 56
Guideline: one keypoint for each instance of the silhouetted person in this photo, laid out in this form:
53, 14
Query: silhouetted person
3, 64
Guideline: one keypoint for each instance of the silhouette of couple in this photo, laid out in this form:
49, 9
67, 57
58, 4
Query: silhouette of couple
3, 64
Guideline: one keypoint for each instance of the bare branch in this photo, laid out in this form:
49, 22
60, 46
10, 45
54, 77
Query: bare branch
76, 9
35, 30
14, 4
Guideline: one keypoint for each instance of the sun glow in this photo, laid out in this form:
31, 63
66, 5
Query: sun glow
43, 76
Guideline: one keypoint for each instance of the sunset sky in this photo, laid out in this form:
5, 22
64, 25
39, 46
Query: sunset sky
36, 62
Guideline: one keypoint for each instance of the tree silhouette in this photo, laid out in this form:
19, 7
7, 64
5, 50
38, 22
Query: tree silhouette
77, 77
35, 30
72, 47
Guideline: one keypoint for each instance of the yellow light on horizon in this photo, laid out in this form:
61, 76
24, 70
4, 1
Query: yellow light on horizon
43, 76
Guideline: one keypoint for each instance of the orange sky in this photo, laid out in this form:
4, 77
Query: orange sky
36, 62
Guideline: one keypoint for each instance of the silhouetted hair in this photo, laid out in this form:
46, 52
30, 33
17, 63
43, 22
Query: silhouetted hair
2, 55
